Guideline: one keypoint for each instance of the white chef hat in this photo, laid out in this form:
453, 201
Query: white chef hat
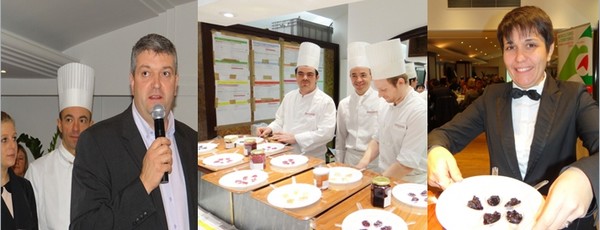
410, 70
75, 86
309, 55
357, 56
386, 59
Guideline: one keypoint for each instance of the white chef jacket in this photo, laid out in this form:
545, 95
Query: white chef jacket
402, 137
310, 118
357, 122
50, 177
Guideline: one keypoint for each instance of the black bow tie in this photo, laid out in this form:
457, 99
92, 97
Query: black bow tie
532, 94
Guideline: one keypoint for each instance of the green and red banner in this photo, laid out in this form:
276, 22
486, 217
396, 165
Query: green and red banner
575, 47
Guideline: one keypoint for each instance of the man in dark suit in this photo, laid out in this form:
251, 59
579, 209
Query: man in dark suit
531, 137
119, 165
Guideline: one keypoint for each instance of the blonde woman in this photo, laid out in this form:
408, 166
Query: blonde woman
18, 201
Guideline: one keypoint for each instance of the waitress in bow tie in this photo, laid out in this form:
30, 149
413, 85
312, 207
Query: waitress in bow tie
531, 126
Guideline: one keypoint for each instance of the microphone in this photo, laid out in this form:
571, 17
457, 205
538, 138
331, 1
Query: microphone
158, 114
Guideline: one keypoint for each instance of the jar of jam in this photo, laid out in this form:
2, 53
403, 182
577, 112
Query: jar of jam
381, 192
249, 145
230, 142
257, 159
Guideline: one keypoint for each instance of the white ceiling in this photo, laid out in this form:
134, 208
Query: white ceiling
35, 33
246, 11
46, 28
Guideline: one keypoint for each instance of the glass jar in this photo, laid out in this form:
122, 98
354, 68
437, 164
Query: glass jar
381, 192
230, 142
249, 145
257, 159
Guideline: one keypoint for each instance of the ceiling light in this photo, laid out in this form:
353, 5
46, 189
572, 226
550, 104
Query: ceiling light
228, 14
485, 38
2, 71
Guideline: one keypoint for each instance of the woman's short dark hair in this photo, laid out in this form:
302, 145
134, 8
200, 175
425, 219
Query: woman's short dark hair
526, 19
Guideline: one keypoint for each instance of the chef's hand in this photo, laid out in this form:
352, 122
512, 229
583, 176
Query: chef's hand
569, 198
263, 131
441, 168
285, 138
157, 161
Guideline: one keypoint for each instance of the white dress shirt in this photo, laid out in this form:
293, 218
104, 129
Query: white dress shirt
402, 137
524, 116
310, 118
50, 176
174, 193
357, 122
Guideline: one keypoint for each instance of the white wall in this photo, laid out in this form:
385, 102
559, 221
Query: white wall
340, 31
564, 14
34, 103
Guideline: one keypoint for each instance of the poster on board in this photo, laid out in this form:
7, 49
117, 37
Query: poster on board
232, 79
266, 56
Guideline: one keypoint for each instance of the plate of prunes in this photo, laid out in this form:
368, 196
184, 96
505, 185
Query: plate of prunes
488, 202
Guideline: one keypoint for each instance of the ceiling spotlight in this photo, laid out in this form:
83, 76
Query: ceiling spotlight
2, 71
485, 38
475, 48
462, 42
228, 14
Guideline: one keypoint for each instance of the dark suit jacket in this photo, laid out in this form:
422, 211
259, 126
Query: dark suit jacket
107, 192
24, 209
566, 112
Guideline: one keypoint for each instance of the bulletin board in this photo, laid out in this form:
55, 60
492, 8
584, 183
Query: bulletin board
245, 72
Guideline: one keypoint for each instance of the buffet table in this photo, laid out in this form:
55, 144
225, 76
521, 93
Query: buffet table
250, 207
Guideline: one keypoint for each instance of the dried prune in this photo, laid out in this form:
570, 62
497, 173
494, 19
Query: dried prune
366, 223
475, 203
377, 223
512, 202
490, 218
493, 200
514, 217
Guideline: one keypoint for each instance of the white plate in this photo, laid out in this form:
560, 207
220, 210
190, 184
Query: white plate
271, 147
243, 178
411, 194
241, 138
223, 159
294, 196
371, 216
344, 175
453, 213
289, 161
206, 147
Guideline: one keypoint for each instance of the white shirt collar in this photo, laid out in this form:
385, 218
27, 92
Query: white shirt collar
146, 130
539, 87
65, 154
